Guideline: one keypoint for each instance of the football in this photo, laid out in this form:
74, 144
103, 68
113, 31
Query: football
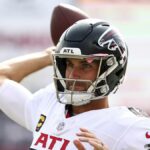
63, 16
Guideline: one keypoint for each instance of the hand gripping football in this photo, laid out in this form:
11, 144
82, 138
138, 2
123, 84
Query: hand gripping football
63, 16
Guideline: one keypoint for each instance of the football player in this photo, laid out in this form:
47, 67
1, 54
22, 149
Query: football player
89, 63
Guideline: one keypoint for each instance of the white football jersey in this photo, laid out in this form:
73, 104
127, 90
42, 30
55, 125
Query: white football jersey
120, 128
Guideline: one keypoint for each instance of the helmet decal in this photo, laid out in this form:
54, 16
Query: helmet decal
70, 50
112, 40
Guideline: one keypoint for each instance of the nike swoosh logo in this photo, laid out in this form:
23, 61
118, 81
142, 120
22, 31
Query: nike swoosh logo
147, 135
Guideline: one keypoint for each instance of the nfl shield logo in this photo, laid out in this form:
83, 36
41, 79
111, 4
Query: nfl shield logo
60, 126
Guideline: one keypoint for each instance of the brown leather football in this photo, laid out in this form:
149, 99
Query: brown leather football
63, 16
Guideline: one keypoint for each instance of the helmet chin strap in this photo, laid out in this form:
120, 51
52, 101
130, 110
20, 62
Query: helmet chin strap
77, 99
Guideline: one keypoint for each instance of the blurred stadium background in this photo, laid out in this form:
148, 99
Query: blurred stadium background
24, 28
